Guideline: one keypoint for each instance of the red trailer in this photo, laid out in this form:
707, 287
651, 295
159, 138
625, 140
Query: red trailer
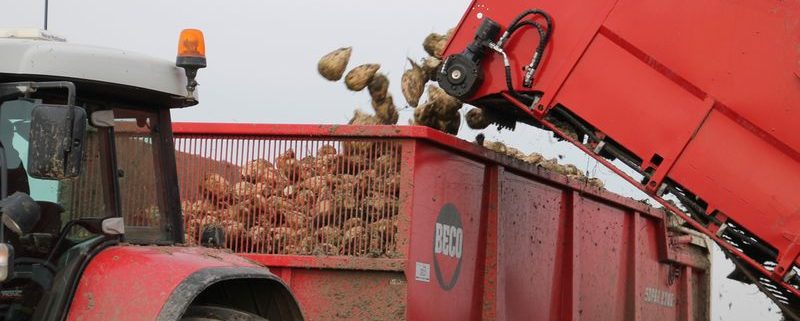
475, 235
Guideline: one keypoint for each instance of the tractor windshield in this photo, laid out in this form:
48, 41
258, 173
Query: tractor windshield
92, 193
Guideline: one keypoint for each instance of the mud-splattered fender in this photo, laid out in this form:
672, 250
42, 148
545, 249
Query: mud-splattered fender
247, 289
139, 283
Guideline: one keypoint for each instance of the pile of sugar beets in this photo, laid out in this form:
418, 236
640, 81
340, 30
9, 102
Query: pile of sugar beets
329, 202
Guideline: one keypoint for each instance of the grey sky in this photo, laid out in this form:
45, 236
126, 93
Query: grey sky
262, 59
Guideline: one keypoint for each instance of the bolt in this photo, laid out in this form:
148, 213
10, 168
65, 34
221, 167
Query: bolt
456, 74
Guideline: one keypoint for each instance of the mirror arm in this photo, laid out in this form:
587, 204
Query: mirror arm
93, 225
31, 87
66, 229
70, 86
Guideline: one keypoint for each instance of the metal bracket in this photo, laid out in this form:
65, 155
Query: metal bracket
722, 229
661, 189
536, 100
599, 147
674, 274
114, 226
792, 273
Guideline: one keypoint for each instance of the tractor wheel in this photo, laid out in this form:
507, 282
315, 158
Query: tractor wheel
214, 313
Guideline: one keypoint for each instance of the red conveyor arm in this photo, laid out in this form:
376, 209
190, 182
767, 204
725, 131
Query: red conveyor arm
700, 97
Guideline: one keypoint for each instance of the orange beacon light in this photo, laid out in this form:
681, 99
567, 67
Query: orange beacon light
191, 56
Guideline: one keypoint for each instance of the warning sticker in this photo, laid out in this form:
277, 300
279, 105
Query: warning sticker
423, 273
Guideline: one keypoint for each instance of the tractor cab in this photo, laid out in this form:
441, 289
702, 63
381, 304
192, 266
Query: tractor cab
86, 160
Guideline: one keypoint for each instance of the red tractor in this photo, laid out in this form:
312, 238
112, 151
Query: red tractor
71, 250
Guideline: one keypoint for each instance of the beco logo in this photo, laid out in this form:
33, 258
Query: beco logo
448, 246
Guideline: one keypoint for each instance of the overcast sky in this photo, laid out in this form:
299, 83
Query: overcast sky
262, 58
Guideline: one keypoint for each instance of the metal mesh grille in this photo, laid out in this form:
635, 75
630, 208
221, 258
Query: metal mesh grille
292, 196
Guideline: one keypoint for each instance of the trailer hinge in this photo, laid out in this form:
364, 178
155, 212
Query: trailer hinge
674, 274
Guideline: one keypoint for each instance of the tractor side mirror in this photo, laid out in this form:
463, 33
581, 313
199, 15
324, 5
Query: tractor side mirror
56, 141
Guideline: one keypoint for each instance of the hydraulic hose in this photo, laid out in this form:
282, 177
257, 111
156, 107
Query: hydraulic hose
537, 55
544, 36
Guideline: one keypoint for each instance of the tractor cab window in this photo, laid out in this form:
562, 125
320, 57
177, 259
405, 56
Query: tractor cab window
90, 194
137, 173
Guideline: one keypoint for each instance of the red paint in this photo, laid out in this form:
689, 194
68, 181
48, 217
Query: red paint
131, 283
686, 80
536, 246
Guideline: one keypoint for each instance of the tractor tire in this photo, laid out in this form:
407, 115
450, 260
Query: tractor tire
215, 313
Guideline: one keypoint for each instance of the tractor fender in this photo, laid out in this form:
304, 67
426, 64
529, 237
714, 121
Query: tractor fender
246, 289
136, 283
